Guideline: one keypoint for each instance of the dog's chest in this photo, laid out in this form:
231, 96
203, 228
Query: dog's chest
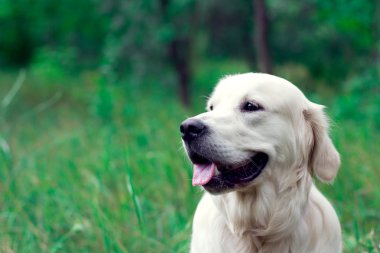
211, 234
216, 238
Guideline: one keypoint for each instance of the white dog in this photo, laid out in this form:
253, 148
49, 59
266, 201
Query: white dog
254, 152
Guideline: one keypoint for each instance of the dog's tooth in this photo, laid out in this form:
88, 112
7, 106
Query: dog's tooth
217, 171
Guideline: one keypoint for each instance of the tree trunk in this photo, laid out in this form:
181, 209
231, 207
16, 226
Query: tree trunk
261, 36
179, 57
179, 54
377, 35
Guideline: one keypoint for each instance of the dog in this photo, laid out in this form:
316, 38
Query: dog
255, 151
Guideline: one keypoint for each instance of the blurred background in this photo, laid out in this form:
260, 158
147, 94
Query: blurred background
92, 94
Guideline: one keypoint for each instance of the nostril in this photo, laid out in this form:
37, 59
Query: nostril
196, 128
182, 129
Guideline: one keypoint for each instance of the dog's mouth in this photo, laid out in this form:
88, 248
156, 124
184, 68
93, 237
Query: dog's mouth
217, 178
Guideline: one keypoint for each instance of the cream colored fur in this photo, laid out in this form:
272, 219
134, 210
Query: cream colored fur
281, 211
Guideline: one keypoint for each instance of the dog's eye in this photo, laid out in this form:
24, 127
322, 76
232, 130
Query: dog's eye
211, 107
251, 107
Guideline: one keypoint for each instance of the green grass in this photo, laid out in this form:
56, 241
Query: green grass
100, 168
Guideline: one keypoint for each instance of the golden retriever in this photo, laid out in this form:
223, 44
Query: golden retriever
255, 151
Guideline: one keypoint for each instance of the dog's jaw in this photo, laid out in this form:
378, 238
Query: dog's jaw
260, 211
219, 178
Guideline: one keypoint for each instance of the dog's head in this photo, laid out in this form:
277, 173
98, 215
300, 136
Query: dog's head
257, 126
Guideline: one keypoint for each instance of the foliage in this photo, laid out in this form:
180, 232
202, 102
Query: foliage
361, 99
133, 36
29, 25
332, 38
53, 64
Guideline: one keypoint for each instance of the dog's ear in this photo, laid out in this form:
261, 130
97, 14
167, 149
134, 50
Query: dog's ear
324, 159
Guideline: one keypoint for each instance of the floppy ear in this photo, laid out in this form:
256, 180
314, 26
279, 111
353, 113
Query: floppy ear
324, 159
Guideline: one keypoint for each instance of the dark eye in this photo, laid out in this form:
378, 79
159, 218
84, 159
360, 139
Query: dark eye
251, 107
211, 107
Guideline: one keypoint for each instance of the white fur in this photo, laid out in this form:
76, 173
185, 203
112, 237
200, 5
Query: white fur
281, 210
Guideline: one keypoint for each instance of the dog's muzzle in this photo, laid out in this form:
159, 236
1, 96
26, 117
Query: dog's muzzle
214, 176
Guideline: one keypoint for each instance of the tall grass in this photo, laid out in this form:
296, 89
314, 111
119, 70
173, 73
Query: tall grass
100, 168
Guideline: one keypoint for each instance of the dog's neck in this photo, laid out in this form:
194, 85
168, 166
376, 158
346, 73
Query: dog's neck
267, 211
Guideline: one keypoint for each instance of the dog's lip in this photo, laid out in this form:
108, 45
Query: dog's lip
228, 176
228, 168
198, 159
221, 167
243, 172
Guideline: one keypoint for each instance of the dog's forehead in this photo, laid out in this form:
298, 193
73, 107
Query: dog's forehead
257, 86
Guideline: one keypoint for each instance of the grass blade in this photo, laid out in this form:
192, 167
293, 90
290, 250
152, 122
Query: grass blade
15, 88
135, 200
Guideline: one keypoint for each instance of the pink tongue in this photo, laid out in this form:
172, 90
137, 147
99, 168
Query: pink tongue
202, 173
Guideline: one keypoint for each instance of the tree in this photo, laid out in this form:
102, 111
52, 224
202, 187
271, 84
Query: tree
261, 36
179, 18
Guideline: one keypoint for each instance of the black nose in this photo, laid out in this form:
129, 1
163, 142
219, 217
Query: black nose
192, 128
